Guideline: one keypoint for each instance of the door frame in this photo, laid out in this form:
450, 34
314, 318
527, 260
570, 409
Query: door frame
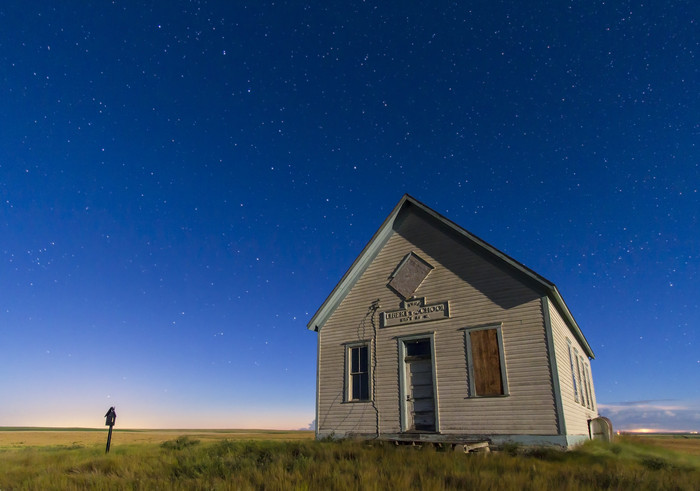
403, 390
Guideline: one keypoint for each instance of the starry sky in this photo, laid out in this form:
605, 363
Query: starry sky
183, 183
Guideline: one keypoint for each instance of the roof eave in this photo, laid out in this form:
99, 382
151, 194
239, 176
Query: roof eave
569, 319
356, 269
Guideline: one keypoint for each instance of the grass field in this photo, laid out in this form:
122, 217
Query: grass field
680, 443
244, 459
14, 437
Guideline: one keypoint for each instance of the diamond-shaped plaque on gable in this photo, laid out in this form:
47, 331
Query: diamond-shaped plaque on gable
409, 274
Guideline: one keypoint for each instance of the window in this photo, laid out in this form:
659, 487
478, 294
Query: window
586, 383
580, 378
358, 373
590, 387
573, 373
487, 372
419, 349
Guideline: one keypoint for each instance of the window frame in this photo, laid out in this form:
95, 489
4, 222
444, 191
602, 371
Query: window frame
470, 360
586, 368
573, 372
349, 374
584, 374
579, 377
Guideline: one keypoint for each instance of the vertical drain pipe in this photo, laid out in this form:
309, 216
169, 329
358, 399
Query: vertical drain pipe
374, 307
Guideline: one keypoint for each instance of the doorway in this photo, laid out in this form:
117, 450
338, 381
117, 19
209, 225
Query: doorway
418, 394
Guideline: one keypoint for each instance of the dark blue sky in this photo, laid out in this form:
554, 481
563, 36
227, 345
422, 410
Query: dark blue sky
183, 184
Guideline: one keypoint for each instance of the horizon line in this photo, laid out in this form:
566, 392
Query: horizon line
31, 427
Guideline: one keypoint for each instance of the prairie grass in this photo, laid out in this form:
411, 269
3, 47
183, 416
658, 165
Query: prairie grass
688, 443
187, 462
24, 437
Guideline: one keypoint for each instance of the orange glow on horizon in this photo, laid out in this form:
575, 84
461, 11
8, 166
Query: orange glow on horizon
653, 430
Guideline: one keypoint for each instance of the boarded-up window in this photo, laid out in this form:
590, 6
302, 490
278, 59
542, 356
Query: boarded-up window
487, 367
358, 389
409, 274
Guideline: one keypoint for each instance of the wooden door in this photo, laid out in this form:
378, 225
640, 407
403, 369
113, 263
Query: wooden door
420, 402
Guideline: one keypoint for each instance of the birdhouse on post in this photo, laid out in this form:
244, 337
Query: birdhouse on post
110, 418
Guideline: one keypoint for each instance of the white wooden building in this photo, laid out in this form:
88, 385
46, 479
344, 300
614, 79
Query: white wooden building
435, 335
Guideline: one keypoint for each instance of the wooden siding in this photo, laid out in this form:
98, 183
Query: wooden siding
576, 415
480, 291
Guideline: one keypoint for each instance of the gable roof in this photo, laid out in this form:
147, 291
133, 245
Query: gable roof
382, 235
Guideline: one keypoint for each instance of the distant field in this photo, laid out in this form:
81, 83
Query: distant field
32, 458
14, 437
686, 443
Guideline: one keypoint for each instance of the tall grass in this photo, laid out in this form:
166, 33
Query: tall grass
185, 463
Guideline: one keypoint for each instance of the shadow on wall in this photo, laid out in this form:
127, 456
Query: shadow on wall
488, 274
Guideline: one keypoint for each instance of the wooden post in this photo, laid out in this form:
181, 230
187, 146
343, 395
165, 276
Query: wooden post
109, 438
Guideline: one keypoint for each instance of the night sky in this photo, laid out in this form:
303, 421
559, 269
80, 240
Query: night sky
183, 183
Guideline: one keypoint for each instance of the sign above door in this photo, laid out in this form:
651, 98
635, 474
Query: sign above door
415, 310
